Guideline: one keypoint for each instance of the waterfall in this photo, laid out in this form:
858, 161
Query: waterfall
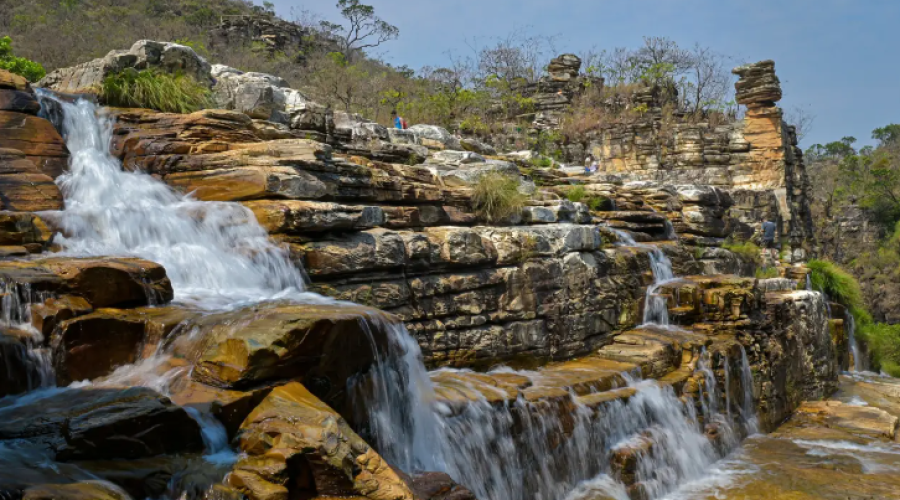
25, 352
215, 253
748, 408
656, 310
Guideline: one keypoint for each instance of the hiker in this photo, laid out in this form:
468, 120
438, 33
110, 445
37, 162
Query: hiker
398, 121
769, 228
588, 164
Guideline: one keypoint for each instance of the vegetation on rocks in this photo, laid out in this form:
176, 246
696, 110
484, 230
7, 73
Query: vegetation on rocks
31, 70
496, 196
155, 89
746, 250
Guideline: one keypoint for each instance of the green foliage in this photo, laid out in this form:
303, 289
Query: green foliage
768, 273
840, 286
31, 70
883, 342
541, 162
155, 89
576, 194
746, 250
496, 196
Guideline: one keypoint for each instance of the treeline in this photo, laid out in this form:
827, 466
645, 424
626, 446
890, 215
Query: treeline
866, 180
479, 91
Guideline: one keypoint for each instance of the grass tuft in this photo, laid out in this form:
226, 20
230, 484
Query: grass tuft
746, 250
497, 196
154, 89
840, 286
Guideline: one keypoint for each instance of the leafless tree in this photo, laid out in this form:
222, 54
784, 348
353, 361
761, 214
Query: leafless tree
514, 56
364, 30
802, 118
708, 79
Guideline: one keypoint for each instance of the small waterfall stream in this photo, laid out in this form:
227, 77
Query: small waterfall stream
656, 311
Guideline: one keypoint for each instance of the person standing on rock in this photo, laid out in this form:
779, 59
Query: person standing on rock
398, 121
768, 229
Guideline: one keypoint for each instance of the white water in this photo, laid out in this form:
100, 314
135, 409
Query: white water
656, 310
748, 408
216, 254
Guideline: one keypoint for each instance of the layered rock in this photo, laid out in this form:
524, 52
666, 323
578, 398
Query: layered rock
297, 446
26, 138
87, 78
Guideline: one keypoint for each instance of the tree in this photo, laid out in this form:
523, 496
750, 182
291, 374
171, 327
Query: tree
364, 30
802, 119
31, 70
886, 135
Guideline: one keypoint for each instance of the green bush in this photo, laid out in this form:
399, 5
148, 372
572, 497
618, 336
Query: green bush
31, 70
767, 273
576, 194
746, 250
496, 196
883, 343
840, 286
155, 89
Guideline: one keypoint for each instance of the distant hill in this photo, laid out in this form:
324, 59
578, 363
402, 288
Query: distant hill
60, 33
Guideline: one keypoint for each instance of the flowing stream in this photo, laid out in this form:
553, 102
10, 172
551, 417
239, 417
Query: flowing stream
218, 257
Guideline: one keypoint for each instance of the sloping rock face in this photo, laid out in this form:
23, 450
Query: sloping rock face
101, 424
88, 78
32, 153
298, 447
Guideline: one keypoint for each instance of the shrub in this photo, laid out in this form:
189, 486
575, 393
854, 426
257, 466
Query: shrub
31, 70
576, 194
840, 286
883, 342
496, 196
595, 202
746, 250
767, 273
155, 89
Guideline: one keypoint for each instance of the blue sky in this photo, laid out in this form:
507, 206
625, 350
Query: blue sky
837, 58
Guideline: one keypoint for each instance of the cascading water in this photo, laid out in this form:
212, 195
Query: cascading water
215, 254
859, 361
748, 408
656, 311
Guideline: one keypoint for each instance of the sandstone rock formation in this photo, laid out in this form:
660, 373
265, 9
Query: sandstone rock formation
24, 136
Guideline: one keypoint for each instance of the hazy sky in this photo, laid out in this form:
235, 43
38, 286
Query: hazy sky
838, 58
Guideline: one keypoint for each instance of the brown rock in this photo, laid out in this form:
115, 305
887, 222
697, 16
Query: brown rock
37, 139
93, 345
23, 229
322, 344
47, 316
757, 85
108, 282
13, 81
297, 217
19, 101
88, 424
23, 187
87, 490
297, 446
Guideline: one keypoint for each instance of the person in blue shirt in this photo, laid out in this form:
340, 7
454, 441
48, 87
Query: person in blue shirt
769, 228
399, 122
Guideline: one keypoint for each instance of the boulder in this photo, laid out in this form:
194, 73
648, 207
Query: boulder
564, 67
298, 447
23, 187
434, 137
258, 95
477, 146
12, 81
87, 78
96, 424
322, 345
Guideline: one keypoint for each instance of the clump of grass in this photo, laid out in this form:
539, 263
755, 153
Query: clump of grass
746, 250
840, 286
496, 196
767, 273
576, 194
883, 343
154, 89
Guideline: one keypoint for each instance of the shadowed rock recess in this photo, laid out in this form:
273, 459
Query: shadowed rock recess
276, 301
